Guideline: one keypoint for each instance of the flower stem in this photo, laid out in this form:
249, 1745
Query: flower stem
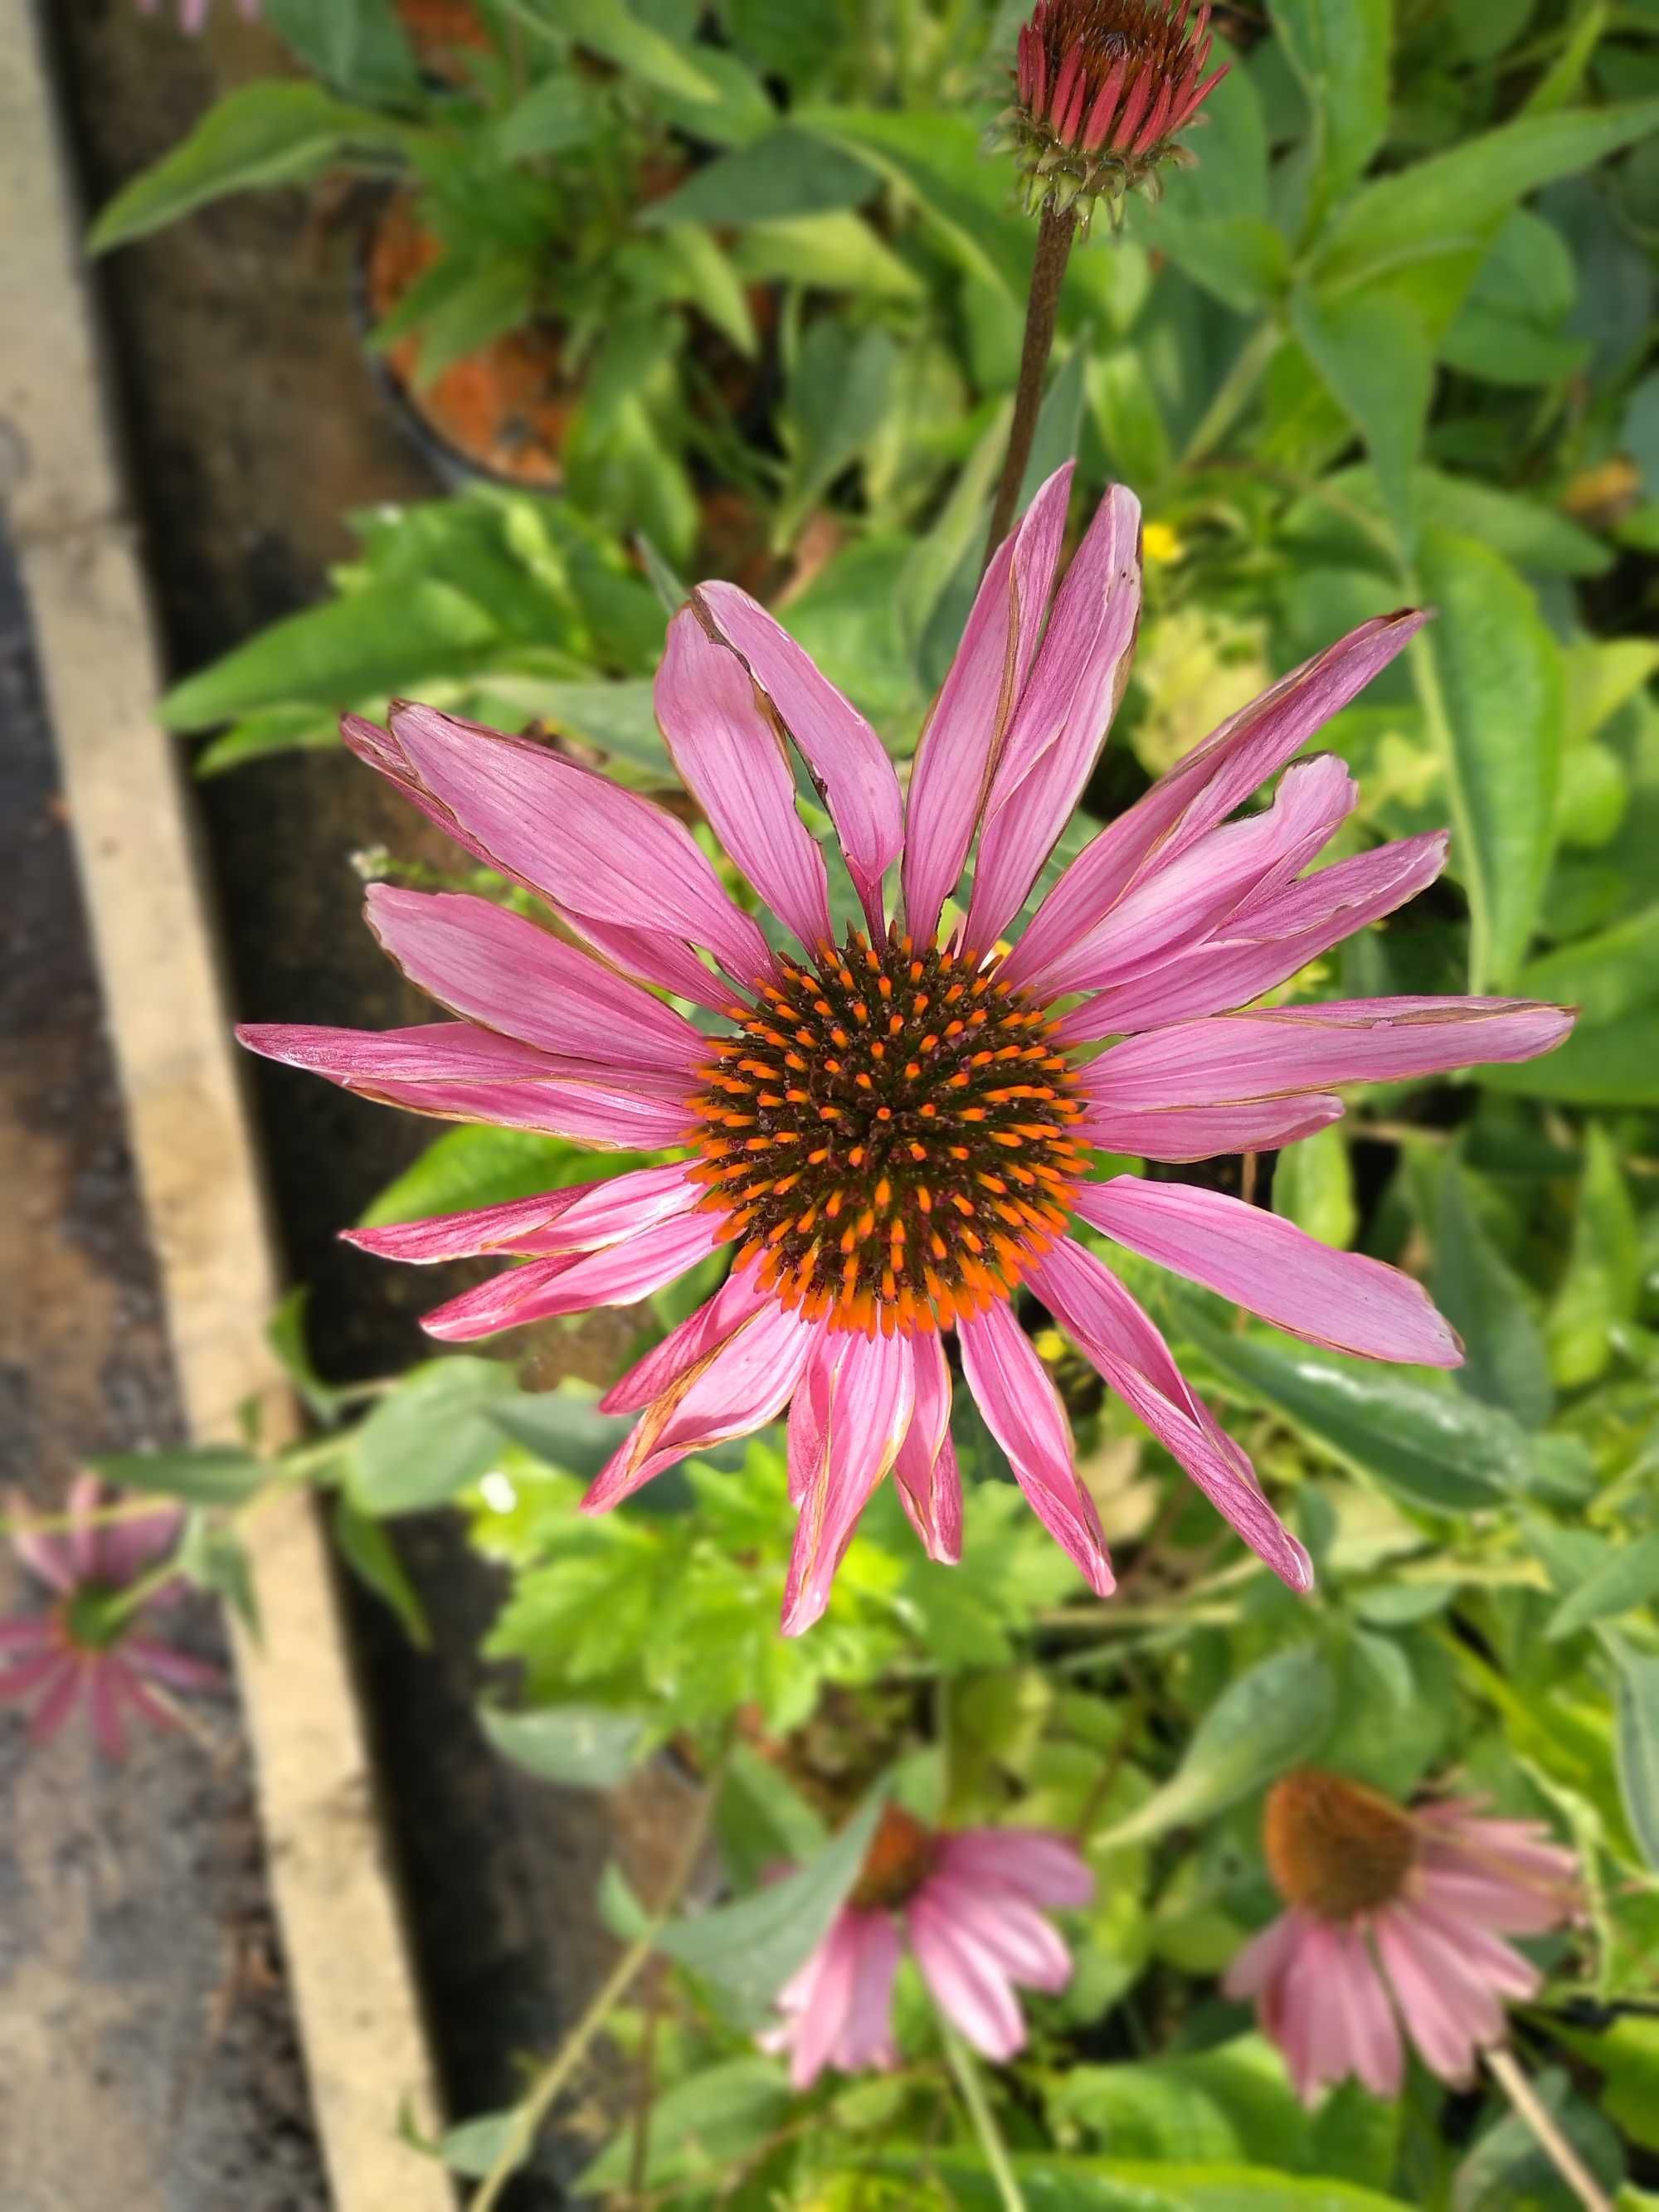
1511, 2079
534, 2111
1056, 232
997, 2160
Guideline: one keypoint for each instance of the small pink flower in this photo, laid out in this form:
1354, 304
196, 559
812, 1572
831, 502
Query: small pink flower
75, 1649
1396, 1920
970, 1907
193, 14
891, 1127
1102, 89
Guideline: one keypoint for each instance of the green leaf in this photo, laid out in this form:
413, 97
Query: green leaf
698, 2129
1614, 979
1481, 1296
1511, 328
609, 28
838, 399
285, 1333
429, 1438
786, 174
1313, 1187
1509, 2168
357, 45
564, 1429
201, 1474
270, 132
1630, 1578
473, 2147
1340, 51
749, 1950
1052, 2183
372, 1558
1448, 203
836, 250
553, 116
1375, 353
1626, 2053
619, 719
1603, 1280
1523, 530
1274, 1716
1502, 683
701, 272
1637, 1741
580, 1746
358, 647
761, 1820
1435, 1448
1230, 2103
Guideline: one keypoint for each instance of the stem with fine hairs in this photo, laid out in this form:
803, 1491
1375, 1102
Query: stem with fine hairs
1056, 232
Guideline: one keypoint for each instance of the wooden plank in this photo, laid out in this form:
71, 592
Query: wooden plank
352, 1984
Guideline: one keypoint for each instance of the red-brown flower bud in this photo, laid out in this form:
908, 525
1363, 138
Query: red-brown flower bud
1103, 86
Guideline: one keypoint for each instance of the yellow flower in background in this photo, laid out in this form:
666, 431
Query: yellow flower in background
1160, 544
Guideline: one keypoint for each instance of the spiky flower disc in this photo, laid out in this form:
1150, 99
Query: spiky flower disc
1103, 87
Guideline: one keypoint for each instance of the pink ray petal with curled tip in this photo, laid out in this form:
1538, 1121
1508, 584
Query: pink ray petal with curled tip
929, 1485
733, 760
848, 761
1064, 713
620, 1275
1113, 1330
1210, 783
963, 741
1023, 1412
870, 1398
1262, 945
1273, 1268
499, 970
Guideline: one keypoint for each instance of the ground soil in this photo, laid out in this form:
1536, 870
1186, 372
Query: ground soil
253, 427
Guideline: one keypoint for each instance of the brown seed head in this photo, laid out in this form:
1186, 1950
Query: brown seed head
1335, 1848
898, 1862
1102, 89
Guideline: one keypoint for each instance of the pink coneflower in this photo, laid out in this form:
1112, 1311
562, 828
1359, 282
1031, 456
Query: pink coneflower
970, 1907
1396, 1920
892, 1126
1102, 89
87, 1644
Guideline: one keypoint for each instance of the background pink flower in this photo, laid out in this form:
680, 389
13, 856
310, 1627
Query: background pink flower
893, 1127
970, 1908
1395, 1920
193, 14
76, 1650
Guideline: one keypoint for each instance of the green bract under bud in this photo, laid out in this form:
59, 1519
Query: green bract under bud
1103, 87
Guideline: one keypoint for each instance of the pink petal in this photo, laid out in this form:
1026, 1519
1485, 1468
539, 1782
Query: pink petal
598, 1213
484, 1229
47, 1556
969, 725
823, 2008
1448, 2016
684, 1348
1265, 1959
865, 2040
1360, 2029
1203, 1133
1007, 1931
28, 1633
581, 840
738, 1387
1261, 946
847, 758
1112, 1329
929, 1485
809, 1421
1023, 1412
1290, 1049
970, 1989
104, 1699
1482, 1954
136, 1693
871, 1394
1490, 1900
54, 1708
504, 971
467, 1074
734, 762
21, 1677
1173, 907
620, 1275
129, 1548
85, 1496
1213, 783
1271, 1267
1063, 716
1042, 1867
177, 1670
